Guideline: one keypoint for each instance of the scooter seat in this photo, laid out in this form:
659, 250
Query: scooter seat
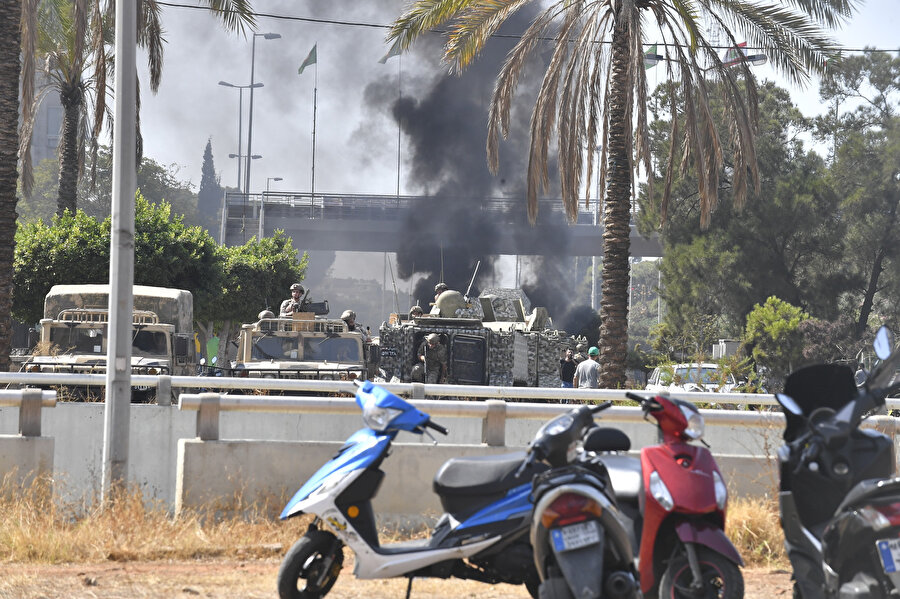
466, 484
870, 490
625, 475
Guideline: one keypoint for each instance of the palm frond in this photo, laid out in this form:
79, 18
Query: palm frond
236, 15
151, 38
422, 16
474, 27
505, 87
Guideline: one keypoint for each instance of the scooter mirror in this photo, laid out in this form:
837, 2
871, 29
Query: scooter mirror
884, 342
787, 402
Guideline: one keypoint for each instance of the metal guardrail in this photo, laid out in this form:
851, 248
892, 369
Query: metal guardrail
493, 413
29, 402
412, 390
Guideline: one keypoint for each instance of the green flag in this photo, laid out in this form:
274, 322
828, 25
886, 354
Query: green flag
310, 59
394, 51
649, 63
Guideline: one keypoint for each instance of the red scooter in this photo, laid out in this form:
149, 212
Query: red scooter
676, 499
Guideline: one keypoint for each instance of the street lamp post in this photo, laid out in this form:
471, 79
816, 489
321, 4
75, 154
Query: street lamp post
268, 36
262, 206
244, 202
240, 89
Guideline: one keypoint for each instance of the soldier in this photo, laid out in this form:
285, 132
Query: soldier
439, 289
294, 303
415, 311
581, 353
433, 355
349, 317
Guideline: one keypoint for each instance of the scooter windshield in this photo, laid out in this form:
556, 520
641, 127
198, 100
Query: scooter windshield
819, 386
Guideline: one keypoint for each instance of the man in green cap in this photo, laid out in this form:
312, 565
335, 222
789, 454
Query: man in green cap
587, 374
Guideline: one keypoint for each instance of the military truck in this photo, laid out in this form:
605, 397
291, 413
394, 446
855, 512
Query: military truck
496, 339
303, 347
73, 335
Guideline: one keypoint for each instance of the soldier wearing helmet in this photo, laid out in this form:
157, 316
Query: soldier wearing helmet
349, 317
439, 289
294, 303
433, 356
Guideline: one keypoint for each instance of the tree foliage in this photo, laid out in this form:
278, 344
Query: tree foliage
74, 248
774, 339
209, 197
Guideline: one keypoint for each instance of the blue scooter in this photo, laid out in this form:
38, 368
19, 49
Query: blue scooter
483, 534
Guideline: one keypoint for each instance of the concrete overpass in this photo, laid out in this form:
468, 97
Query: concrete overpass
373, 223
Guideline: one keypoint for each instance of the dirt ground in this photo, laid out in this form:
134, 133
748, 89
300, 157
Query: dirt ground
252, 579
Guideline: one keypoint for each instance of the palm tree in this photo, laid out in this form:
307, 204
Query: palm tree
70, 43
594, 91
10, 12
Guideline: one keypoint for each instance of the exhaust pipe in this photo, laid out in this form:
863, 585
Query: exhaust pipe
620, 585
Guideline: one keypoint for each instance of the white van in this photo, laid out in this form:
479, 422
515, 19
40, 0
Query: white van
690, 377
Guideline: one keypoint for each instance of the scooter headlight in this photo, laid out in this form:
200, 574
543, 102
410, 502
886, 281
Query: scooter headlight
721, 490
660, 492
695, 425
378, 418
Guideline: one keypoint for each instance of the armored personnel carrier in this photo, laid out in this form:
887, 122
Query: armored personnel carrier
496, 339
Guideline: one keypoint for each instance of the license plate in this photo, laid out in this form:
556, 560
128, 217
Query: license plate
575, 536
889, 551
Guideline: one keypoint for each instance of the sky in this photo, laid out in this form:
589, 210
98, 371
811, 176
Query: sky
357, 138
356, 135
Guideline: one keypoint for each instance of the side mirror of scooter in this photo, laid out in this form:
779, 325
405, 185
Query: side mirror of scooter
884, 343
787, 402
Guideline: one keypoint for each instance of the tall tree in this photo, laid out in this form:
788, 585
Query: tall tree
866, 168
594, 92
209, 198
10, 13
72, 42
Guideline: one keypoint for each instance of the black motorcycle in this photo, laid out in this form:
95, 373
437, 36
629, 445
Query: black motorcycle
840, 506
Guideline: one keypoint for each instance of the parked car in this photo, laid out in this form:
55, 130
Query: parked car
690, 377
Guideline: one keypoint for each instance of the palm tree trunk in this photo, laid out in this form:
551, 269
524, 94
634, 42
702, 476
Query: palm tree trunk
613, 344
10, 44
71, 98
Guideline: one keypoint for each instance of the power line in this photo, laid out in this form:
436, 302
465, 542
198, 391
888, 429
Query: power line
278, 17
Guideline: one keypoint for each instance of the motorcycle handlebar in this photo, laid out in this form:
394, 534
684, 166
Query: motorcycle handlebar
602, 406
436, 427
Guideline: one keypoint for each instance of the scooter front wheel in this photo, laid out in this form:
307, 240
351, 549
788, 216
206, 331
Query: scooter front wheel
311, 566
721, 578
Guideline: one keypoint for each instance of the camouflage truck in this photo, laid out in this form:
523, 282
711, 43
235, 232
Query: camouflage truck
496, 340
303, 347
73, 335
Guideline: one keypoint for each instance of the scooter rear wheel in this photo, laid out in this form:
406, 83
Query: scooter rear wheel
311, 566
722, 579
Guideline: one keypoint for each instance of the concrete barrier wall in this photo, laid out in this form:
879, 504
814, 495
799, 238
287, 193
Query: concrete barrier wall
169, 465
23, 458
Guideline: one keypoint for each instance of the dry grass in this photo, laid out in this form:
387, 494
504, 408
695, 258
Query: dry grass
38, 530
35, 529
755, 529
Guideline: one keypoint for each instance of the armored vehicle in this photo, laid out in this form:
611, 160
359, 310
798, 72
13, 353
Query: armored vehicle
302, 347
73, 335
495, 339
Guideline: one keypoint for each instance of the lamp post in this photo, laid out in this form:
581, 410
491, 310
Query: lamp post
268, 36
244, 202
240, 89
262, 206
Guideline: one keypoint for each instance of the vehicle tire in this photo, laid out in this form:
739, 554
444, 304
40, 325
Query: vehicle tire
722, 579
554, 588
316, 555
